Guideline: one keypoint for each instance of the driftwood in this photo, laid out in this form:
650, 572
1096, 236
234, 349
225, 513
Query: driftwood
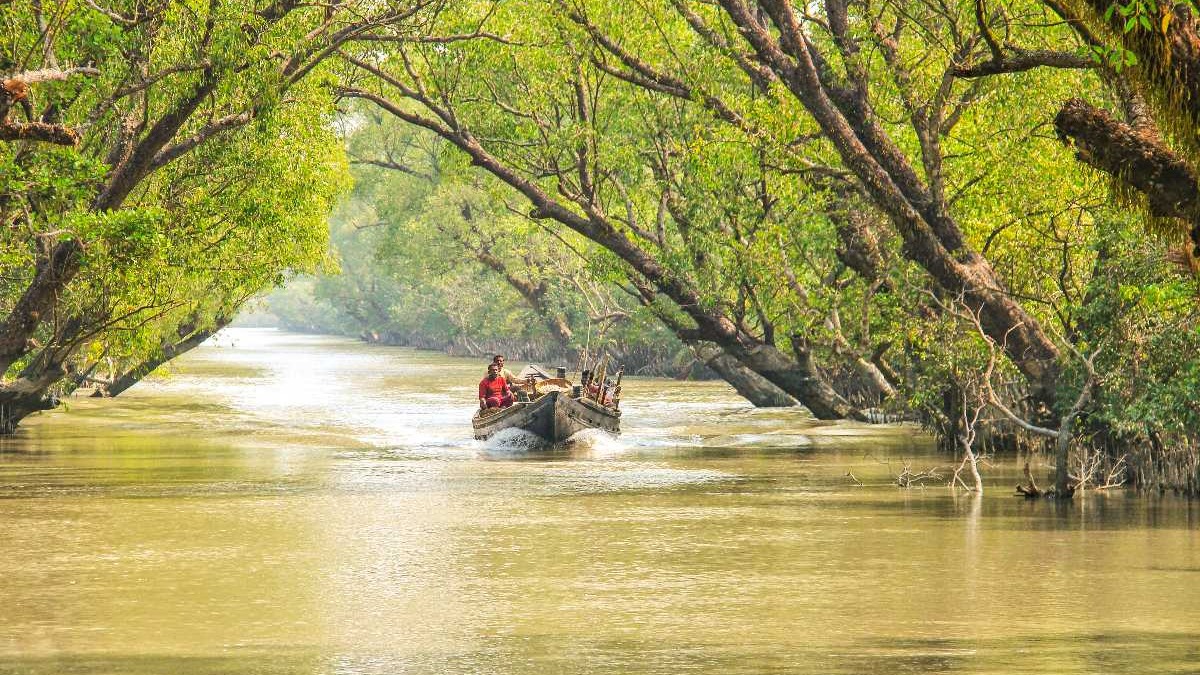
1032, 491
910, 479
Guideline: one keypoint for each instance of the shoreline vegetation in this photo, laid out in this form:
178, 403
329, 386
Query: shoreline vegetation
983, 218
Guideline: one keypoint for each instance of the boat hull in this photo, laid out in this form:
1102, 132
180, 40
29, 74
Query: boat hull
554, 417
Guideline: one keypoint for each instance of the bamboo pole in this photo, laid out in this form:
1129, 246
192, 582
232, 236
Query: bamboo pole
598, 376
617, 388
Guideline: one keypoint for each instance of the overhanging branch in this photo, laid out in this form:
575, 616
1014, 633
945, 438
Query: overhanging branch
1137, 158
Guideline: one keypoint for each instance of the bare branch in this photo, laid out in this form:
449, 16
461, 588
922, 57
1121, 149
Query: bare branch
439, 39
54, 74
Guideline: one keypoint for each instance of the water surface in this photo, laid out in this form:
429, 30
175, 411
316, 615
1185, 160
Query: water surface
296, 504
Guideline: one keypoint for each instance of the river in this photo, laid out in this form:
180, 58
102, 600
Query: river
283, 503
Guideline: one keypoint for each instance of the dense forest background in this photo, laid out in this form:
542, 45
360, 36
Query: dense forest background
981, 216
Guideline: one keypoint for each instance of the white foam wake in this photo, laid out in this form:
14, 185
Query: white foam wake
513, 441
596, 444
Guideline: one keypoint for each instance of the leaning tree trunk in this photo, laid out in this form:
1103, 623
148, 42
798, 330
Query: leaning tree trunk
931, 237
28, 393
1138, 157
169, 351
533, 294
807, 385
752, 386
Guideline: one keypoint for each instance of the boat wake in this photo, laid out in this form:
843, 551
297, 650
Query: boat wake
513, 441
586, 444
595, 443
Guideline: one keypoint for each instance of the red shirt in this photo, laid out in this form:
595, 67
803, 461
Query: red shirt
489, 388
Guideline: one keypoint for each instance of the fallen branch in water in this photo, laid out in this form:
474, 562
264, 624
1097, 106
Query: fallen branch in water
909, 478
1032, 490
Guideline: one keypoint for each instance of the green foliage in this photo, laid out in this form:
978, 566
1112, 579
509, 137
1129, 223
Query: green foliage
1141, 314
241, 204
408, 246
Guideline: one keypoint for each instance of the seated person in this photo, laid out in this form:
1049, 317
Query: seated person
504, 372
592, 387
494, 391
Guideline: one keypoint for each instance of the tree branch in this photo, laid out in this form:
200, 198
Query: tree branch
1136, 157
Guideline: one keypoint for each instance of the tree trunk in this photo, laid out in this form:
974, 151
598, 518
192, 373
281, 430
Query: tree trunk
27, 392
15, 407
970, 461
806, 384
534, 295
1062, 448
752, 386
169, 351
27, 395
932, 239
798, 378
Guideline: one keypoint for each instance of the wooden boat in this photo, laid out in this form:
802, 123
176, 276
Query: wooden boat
555, 416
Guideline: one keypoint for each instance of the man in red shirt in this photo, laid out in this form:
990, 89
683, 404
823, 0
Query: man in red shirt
494, 391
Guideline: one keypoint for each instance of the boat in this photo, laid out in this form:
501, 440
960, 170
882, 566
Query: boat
554, 411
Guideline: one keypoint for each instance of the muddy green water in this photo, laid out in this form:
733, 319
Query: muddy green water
296, 504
